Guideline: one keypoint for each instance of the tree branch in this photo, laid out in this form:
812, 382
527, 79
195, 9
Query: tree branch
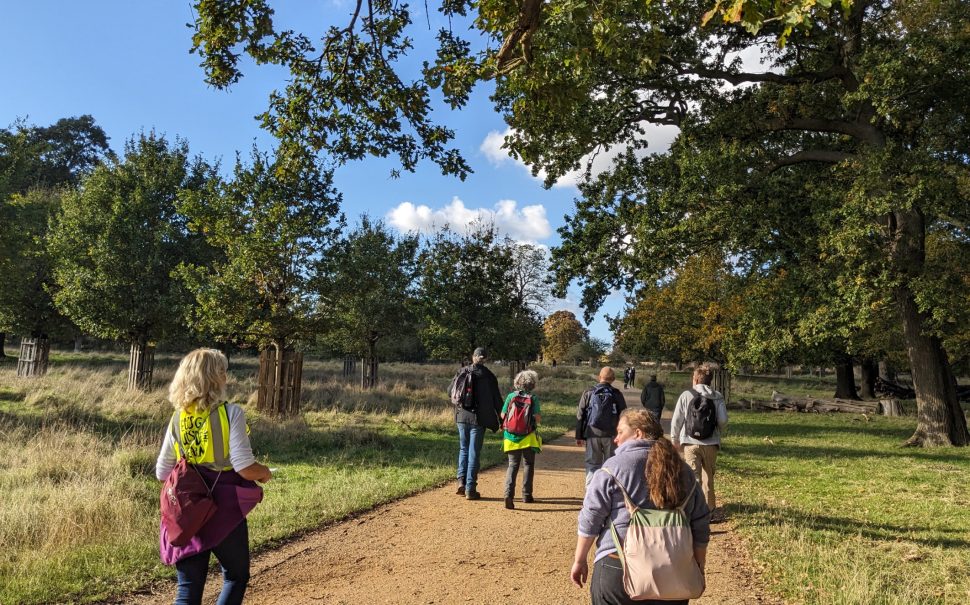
860, 130
812, 155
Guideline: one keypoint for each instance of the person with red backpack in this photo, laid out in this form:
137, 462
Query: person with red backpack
597, 415
520, 417
700, 417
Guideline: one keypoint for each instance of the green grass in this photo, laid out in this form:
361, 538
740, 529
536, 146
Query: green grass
78, 519
836, 512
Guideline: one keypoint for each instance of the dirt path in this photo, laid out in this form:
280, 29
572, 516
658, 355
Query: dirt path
438, 548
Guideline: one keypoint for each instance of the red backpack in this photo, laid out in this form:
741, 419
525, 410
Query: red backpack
519, 419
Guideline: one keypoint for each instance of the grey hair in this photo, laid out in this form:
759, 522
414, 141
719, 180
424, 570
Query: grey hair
525, 380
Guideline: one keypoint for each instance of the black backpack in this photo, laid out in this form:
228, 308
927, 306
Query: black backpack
701, 416
461, 390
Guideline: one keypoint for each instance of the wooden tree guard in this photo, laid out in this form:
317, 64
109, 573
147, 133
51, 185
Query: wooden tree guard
34, 355
141, 366
368, 372
350, 366
722, 384
514, 368
279, 383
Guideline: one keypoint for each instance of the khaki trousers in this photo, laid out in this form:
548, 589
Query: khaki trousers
701, 459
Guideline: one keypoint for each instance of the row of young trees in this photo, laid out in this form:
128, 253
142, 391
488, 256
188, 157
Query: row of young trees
156, 245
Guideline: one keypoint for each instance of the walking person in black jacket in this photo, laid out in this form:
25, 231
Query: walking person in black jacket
652, 397
472, 424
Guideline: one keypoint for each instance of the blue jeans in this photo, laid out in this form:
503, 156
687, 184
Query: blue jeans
233, 555
470, 439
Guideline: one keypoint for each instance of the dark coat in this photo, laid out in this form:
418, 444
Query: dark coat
488, 400
652, 397
586, 432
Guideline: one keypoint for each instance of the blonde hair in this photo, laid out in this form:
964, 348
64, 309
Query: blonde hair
200, 381
642, 420
525, 380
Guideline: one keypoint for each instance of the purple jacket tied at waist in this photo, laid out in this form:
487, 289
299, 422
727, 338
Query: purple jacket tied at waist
604, 500
235, 497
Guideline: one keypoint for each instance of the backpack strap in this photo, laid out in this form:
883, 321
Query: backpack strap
630, 506
693, 488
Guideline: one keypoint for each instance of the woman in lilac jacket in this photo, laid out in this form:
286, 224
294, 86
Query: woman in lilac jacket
648, 467
213, 436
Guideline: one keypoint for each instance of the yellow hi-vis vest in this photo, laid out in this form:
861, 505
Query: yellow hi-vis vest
203, 436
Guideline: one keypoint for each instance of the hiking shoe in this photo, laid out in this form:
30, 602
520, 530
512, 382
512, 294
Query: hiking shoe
528, 499
461, 490
473, 496
509, 503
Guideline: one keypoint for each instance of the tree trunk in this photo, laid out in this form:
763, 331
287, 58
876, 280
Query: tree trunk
886, 371
78, 343
3, 341
939, 418
368, 373
845, 379
141, 365
869, 373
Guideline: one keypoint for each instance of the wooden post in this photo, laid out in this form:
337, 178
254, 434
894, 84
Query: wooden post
141, 366
722, 384
279, 381
350, 366
34, 354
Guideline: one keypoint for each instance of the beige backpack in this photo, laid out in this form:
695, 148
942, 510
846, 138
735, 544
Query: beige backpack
658, 552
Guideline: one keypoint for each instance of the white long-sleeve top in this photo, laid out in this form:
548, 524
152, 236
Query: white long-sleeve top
240, 450
678, 423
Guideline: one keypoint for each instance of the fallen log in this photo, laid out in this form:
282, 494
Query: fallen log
782, 402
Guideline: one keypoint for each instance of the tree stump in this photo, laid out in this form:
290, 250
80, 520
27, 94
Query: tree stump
890, 407
279, 382
34, 355
141, 366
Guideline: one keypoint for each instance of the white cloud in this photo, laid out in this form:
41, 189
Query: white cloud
528, 223
659, 139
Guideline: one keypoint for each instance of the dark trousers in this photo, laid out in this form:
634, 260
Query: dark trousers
515, 459
232, 554
606, 587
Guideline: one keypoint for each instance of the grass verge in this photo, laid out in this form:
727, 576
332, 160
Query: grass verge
78, 520
836, 512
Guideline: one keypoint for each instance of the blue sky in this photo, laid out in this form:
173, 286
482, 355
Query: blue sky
127, 64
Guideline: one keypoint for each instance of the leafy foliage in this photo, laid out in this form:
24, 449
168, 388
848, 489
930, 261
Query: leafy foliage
116, 241
366, 288
268, 226
468, 298
563, 333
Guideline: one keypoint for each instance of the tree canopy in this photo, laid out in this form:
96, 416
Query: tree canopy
269, 228
116, 241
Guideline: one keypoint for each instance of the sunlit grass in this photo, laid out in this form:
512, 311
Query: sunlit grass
78, 520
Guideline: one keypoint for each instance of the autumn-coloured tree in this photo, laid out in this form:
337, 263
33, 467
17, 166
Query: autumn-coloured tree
562, 333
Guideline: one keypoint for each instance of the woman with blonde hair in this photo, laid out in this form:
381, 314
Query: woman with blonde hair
520, 417
647, 466
212, 435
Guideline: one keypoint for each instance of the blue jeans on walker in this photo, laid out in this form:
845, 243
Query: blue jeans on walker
470, 439
233, 556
